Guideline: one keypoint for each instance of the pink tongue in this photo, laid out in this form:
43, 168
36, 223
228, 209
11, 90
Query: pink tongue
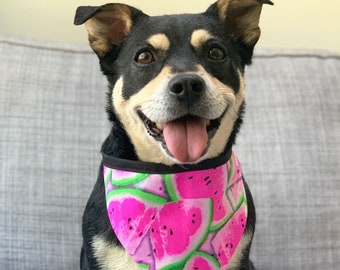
186, 139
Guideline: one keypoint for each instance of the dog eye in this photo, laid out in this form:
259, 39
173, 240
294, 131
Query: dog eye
216, 54
145, 57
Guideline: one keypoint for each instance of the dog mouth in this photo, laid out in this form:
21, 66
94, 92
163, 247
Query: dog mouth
186, 138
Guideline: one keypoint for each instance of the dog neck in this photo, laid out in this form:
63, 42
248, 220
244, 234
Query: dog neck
166, 216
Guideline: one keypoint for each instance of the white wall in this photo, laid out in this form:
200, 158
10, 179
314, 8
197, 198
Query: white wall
288, 24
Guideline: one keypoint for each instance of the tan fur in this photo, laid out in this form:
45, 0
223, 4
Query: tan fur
152, 101
108, 27
241, 18
159, 41
222, 6
146, 147
218, 142
112, 257
199, 37
111, 25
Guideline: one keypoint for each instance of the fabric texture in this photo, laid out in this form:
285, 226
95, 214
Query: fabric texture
165, 223
52, 123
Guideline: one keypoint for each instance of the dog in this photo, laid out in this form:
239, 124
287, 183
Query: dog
176, 100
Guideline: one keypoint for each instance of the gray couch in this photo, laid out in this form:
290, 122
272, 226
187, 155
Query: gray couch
53, 121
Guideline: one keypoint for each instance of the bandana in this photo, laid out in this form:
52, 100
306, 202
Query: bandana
174, 217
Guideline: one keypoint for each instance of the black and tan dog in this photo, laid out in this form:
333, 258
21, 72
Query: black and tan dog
176, 96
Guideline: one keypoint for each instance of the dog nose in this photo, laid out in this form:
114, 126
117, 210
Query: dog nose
187, 88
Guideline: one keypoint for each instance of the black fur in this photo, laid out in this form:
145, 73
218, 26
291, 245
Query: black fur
118, 56
119, 61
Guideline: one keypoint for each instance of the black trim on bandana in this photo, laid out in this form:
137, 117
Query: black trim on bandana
158, 168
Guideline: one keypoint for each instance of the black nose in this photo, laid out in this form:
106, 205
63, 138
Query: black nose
187, 88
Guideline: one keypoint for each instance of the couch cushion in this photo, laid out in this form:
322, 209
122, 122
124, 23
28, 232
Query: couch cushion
289, 148
52, 123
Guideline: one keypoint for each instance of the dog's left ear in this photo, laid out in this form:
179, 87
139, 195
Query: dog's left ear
107, 25
241, 19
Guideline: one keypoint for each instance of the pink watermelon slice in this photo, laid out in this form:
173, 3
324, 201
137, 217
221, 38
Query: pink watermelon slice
227, 239
202, 261
178, 230
204, 184
131, 213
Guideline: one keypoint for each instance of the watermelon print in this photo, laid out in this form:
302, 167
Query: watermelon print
202, 261
132, 225
187, 220
153, 184
143, 266
179, 229
124, 178
208, 184
144, 255
227, 239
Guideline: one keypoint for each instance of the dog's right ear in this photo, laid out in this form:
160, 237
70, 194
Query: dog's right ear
107, 25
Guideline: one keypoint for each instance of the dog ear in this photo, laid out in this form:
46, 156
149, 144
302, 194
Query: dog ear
107, 25
241, 18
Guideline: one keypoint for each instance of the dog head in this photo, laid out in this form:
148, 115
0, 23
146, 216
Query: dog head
176, 81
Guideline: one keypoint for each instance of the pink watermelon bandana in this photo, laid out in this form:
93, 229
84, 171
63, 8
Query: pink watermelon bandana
190, 217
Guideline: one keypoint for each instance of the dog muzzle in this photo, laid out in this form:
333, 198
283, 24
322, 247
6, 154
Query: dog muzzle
177, 217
